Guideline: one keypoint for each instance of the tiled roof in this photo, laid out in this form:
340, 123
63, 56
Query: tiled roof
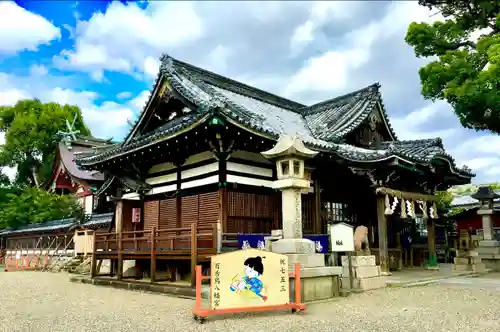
68, 160
50, 226
467, 200
333, 119
320, 126
97, 220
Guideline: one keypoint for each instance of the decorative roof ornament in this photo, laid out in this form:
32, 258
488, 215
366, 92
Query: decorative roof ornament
70, 135
289, 146
167, 64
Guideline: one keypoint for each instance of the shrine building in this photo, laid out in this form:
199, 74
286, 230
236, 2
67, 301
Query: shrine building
190, 178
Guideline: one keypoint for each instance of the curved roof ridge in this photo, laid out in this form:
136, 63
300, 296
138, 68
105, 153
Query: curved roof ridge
233, 85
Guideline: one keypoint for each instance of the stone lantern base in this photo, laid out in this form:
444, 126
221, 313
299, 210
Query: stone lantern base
469, 260
489, 251
318, 282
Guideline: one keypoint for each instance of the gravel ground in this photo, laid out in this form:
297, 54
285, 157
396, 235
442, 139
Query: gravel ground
41, 301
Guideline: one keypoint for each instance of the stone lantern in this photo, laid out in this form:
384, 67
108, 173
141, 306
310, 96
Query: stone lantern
319, 282
486, 196
289, 154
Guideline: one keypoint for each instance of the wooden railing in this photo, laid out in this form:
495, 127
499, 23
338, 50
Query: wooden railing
172, 241
189, 242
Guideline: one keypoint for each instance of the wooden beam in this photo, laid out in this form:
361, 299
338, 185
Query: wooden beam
406, 195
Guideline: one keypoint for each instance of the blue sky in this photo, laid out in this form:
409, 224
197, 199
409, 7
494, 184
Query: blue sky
103, 57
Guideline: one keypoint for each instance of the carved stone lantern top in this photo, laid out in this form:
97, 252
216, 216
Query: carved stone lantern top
288, 146
289, 154
485, 195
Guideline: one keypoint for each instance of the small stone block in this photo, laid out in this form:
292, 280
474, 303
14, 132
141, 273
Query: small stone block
294, 246
361, 272
461, 260
365, 284
359, 261
461, 268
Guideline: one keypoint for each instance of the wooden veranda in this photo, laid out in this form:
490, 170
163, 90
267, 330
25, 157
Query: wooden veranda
195, 244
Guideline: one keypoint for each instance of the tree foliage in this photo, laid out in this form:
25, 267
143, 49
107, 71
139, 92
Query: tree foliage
466, 72
35, 205
30, 128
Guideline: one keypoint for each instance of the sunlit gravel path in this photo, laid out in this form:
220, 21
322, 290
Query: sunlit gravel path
42, 301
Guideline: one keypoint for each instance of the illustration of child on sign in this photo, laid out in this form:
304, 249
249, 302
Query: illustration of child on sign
250, 286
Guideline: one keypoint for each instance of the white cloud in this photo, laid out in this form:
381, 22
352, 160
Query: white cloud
124, 95
97, 75
151, 67
38, 70
96, 116
121, 38
140, 100
321, 12
22, 30
11, 96
330, 71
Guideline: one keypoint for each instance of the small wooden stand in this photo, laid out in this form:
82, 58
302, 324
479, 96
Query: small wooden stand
200, 314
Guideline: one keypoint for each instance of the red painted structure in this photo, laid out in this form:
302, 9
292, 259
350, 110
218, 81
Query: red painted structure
470, 220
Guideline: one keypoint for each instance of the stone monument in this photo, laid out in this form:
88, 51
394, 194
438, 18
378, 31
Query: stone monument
366, 274
467, 257
489, 247
318, 281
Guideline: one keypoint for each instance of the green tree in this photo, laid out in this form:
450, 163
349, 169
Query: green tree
466, 72
31, 128
35, 205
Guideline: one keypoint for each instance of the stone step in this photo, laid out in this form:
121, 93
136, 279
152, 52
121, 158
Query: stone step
364, 283
359, 260
306, 260
362, 271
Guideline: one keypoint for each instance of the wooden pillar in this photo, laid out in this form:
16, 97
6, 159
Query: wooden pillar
194, 253
119, 231
317, 208
153, 255
431, 236
93, 264
223, 200
398, 240
178, 198
382, 235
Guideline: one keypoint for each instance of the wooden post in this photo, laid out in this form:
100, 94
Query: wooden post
398, 239
317, 208
431, 236
351, 272
153, 254
119, 230
194, 253
382, 235
93, 264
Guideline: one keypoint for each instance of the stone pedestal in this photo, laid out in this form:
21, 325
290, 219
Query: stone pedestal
318, 282
469, 261
489, 251
366, 274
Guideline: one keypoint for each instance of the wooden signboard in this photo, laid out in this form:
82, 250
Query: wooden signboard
248, 280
